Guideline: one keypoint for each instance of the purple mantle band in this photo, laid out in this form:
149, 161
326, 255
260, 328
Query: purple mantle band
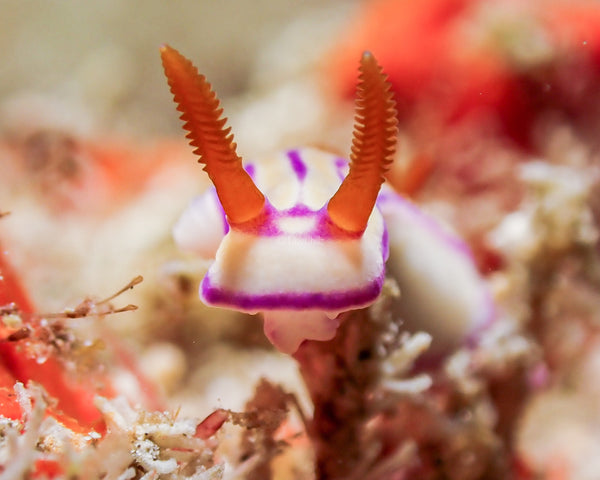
332, 301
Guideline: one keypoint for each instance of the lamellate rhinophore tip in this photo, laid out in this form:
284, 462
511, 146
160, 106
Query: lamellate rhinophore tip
200, 111
373, 147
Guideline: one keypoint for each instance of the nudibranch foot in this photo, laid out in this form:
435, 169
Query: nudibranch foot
287, 329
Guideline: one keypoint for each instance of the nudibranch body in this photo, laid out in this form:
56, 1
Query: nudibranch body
295, 265
298, 237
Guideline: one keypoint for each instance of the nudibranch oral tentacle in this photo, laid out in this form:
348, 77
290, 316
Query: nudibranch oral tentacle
241, 199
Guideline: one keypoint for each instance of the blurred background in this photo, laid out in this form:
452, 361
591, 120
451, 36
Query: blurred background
103, 56
91, 149
499, 111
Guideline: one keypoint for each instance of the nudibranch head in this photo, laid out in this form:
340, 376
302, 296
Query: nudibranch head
314, 247
293, 256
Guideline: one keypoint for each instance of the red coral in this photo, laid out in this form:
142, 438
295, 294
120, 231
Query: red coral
444, 75
75, 405
432, 65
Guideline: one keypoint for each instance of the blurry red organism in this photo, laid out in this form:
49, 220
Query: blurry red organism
77, 175
75, 404
433, 69
445, 75
71, 397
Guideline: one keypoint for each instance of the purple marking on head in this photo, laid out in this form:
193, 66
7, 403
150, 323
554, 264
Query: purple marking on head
264, 225
250, 170
330, 301
298, 164
298, 210
324, 229
385, 244
327, 229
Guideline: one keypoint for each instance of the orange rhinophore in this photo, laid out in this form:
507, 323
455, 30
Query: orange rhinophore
373, 147
240, 198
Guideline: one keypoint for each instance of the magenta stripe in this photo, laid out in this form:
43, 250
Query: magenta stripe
332, 301
298, 164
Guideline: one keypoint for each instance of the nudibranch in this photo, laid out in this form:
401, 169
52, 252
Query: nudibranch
299, 237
